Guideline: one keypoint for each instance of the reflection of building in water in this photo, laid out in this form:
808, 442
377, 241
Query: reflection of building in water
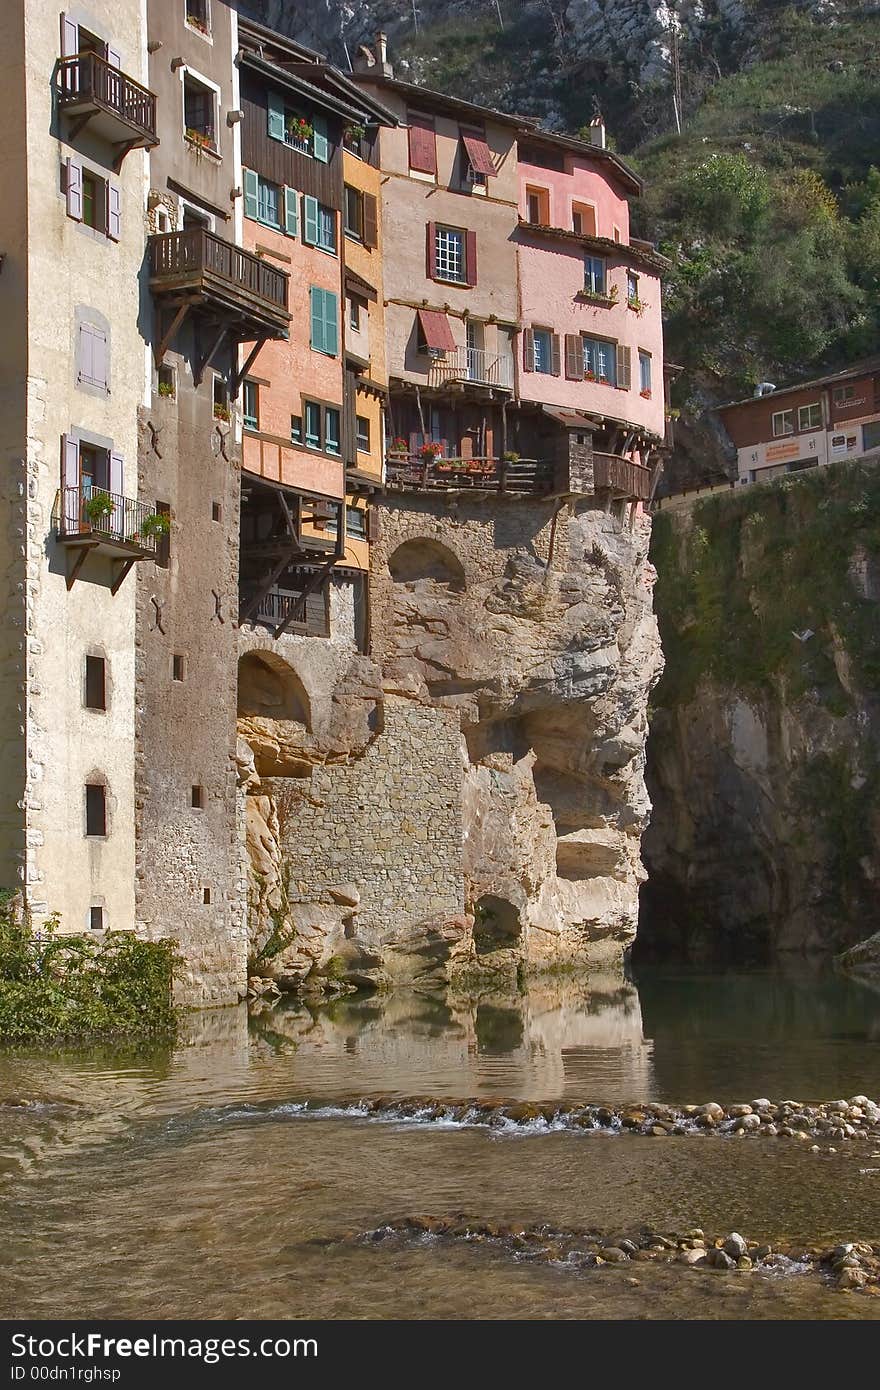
556, 1039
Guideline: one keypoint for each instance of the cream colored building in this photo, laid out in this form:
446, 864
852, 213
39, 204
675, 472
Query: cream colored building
78, 120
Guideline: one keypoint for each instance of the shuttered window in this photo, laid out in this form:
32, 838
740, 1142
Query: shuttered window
92, 357
422, 143
594, 275
371, 221
645, 372
623, 366
92, 200
322, 427
600, 360
324, 321
545, 351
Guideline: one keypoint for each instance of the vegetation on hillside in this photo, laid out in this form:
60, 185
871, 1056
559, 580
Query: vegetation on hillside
55, 987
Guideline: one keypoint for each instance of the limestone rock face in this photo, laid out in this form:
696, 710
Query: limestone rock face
474, 797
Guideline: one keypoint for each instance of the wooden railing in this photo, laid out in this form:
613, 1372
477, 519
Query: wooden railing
531, 477
473, 364
124, 523
614, 473
196, 252
298, 612
89, 77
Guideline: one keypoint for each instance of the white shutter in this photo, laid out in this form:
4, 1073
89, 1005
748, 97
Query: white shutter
114, 215
73, 188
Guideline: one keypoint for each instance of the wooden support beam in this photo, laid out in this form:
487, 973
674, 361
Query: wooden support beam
78, 123
205, 361
125, 147
81, 553
293, 526
316, 579
262, 589
164, 342
124, 568
239, 375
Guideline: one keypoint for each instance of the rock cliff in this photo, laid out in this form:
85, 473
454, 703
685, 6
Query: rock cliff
763, 762
472, 799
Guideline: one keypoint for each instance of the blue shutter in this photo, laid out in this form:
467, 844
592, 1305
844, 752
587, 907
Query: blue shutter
291, 211
310, 220
276, 116
251, 194
320, 142
331, 323
317, 308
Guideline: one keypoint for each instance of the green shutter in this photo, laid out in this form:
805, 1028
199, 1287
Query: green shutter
291, 211
251, 194
320, 142
331, 323
310, 220
276, 116
317, 307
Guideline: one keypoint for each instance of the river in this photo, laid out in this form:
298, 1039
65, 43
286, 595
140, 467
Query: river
191, 1183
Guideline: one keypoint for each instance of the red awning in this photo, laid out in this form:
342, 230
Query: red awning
479, 154
435, 327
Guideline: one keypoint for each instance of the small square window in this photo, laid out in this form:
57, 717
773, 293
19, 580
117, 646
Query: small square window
96, 809
783, 423
810, 417
206, 896
167, 385
296, 429
354, 315
178, 667
221, 398
313, 425
96, 689
198, 15
163, 543
216, 511
354, 213
251, 395
331, 430
449, 254
96, 919
197, 798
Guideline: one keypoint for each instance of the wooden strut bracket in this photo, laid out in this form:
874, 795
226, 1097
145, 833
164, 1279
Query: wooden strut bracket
239, 375
262, 590
318, 576
124, 568
167, 337
205, 359
81, 553
122, 149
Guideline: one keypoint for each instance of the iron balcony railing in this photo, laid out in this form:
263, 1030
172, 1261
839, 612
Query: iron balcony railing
88, 78
529, 477
473, 364
74, 518
614, 473
195, 253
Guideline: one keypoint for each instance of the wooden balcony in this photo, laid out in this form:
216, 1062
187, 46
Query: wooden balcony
196, 269
93, 92
123, 533
475, 366
621, 477
412, 473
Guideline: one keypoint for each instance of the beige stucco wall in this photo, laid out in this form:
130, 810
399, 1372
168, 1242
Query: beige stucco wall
69, 265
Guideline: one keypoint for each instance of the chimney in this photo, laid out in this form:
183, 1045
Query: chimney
597, 132
382, 55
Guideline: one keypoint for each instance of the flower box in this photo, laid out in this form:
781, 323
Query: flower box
645, 395
221, 412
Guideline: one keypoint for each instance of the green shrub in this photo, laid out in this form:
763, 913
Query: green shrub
55, 987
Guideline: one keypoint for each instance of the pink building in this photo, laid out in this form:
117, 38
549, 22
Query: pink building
591, 350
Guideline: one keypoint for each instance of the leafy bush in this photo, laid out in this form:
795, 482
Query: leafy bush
57, 987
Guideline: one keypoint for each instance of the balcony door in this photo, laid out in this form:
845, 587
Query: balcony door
475, 351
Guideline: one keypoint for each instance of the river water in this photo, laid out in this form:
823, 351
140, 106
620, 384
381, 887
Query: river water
190, 1183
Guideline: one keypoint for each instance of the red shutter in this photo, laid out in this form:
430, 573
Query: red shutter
470, 258
528, 350
574, 357
555, 363
431, 251
73, 188
371, 221
422, 144
478, 153
436, 331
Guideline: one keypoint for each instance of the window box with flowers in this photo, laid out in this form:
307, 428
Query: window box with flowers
297, 130
607, 301
601, 379
200, 140
637, 305
429, 453
221, 412
352, 137
645, 393
398, 447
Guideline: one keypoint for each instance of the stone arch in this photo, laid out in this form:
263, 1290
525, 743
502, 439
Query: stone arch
269, 688
423, 557
497, 924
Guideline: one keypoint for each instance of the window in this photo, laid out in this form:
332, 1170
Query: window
449, 254
206, 896
178, 667
96, 919
307, 134
91, 357
599, 360
199, 111
197, 798
354, 315
268, 202
221, 398
583, 219
594, 275
331, 430
91, 199
167, 384
842, 394
313, 425
632, 288
163, 543
324, 321
198, 15
94, 468
356, 523
543, 350
538, 205
96, 809
645, 373
296, 429
216, 511
422, 143
783, 423
810, 417
363, 433
354, 213
251, 402
319, 225
96, 687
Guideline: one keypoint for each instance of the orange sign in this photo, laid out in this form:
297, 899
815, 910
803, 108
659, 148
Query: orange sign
775, 453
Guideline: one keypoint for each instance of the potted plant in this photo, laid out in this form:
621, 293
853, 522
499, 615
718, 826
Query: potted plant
297, 130
646, 394
589, 375
97, 509
221, 411
430, 451
637, 305
511, 456
398, 446
165, 388
354, 133
199, 139
155, 525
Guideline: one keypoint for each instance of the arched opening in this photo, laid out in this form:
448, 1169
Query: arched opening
426, 559
497, 925
270, 689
